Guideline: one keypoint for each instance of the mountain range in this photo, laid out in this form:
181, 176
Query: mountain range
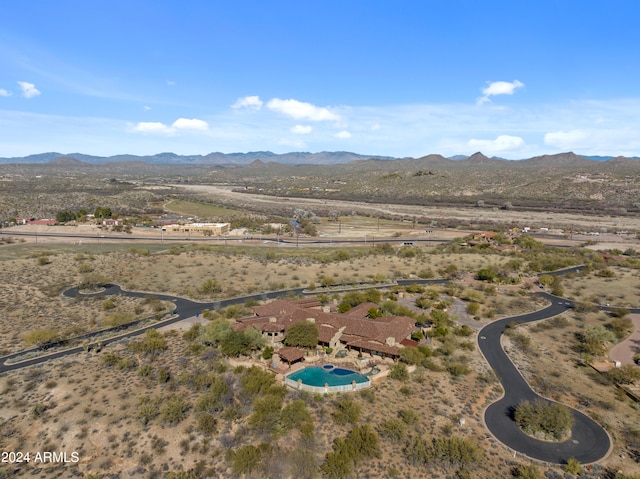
242, 159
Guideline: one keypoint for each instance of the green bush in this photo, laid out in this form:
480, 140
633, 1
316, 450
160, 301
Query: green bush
346, 411
173, 410
303, 334
399, 372
39, 337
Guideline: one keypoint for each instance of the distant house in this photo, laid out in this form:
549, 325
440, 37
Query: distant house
112, 222
353, 330
216, 229
44, 221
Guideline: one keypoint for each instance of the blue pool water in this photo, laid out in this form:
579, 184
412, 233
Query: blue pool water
333, 376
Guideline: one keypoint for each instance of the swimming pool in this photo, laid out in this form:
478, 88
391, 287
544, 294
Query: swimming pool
336, 379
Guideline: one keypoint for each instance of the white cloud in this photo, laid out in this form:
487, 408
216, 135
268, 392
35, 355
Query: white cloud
251, 102
181, 124
146, 108
153, 127
499, 88
29, 90
301, 129
170, 82
566, 140
4, 92
301, 110
190, 124
343, 134
623, 140
503, 143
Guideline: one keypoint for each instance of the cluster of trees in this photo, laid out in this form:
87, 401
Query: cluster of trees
100, 213
548, 419
347, 453
232, 343
494, 275
553, 282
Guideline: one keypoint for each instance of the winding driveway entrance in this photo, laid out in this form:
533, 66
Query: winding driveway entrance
589, 442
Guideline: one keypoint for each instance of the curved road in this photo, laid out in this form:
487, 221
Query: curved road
588, 443
184, 309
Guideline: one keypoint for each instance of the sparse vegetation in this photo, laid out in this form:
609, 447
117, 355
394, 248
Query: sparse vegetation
190, 405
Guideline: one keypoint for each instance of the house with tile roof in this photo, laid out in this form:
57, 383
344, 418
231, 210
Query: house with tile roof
352, 330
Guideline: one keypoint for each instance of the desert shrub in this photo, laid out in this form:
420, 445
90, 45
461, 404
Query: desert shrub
409, 416
573, 466
42, 336
192, 333
362, 442
621, 326
399, 372
464, 331
394, 428
266, 413
528, 471
302, 464
207, 424
473, 308
256, 380
85, 268
346, 411
173, 409
152, 343
267, 353
116, 319
594, 340
458, 369
92, 281
295, 415
148, 408
627, 374
246, 460
108, 304
209, 287
445, 451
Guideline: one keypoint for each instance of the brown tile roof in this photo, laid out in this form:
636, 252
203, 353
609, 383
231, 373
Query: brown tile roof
361, 310
272, 327
375, 346
280, 314
274, 308
290, 354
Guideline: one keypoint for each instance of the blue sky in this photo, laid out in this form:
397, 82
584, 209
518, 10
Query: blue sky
404, 78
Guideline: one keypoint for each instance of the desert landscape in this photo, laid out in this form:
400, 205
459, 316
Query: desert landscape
183, 400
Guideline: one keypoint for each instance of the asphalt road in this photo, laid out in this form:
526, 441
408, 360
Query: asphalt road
302, 241
184, 309
588, 443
